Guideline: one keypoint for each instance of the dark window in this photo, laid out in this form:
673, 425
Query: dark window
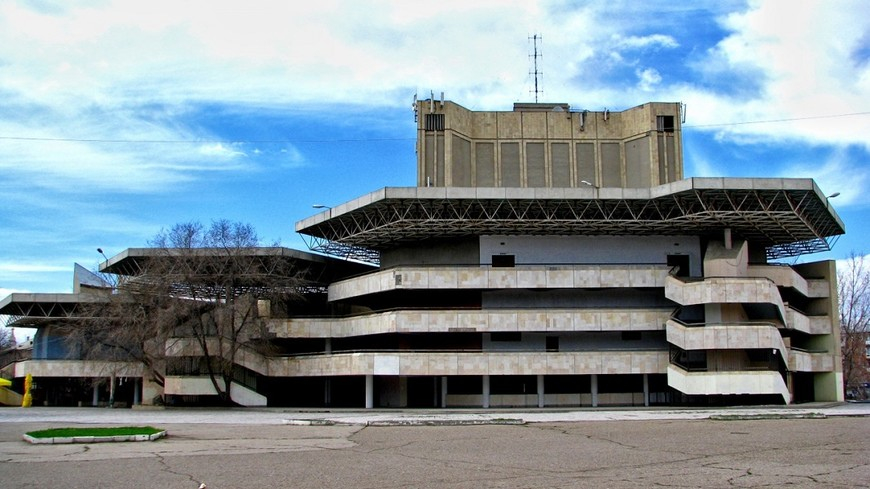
681, 262
511, 336
631, 336
665, 123
552, 343
503, 261
435, 122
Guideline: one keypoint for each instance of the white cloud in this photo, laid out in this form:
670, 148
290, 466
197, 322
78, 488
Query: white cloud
639, 42
220, 150
648, 79
803, 68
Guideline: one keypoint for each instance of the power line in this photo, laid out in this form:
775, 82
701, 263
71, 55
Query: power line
779, 120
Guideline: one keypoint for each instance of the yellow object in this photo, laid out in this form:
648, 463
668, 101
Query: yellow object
27, 401
5, 383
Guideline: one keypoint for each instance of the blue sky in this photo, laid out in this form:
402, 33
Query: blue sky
120, 118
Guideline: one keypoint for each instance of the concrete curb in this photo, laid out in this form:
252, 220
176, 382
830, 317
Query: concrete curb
740, 417
61, 440
407, 422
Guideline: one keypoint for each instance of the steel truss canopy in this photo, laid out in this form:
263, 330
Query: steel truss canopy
788, 216
26, 309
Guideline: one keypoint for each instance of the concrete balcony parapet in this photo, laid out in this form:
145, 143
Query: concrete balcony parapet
804, 361
77, 368
447, 363
725, 290
799, 321
735, 336
487, 277
476, 320
738, 382
786, 276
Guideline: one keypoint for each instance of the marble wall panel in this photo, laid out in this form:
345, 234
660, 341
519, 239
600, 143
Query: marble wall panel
587, 277
560, 278
531, 321
502, 278
587, 363
614, 277
531, 278
587, 321
477, 320
443, 364
560, 321
474, 278
503, 321
560, 363
502, 364
472, 364
443, 278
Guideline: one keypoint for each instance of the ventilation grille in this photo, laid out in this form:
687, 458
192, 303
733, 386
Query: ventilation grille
434, 122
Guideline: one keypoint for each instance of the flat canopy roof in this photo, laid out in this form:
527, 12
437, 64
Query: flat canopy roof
28, 309
316, 268
788, 216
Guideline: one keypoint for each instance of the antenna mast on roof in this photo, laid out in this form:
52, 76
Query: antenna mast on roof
535, 55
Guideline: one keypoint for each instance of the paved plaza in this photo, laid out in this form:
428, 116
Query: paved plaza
810, 446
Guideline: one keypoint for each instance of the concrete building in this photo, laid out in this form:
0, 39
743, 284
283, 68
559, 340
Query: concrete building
552, 257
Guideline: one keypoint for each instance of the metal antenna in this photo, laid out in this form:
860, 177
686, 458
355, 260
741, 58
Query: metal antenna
535, 38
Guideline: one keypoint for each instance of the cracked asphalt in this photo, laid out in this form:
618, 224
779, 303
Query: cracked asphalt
258, 451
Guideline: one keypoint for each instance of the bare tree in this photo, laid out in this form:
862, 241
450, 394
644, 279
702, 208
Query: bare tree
853, 279
7, 339
193, 303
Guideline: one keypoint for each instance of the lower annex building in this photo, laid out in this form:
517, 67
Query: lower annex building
547, 257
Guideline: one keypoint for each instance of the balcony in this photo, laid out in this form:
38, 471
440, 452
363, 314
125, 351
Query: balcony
728, 382
475, 320
487, 277
725, 290
810, 361
445, 363
735, 336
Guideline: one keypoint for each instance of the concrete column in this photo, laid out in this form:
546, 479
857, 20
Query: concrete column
327, 391
540, 391
646, 390
594, 388
327, 345
444, 391
112, 391
95, 399
486, 391
370, 391
137, 398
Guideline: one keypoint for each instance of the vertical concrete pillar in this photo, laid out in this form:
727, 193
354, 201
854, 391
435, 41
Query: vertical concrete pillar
646, 390
327, 345
540, 391
444, 391
594, 388
370, 391
486, 391
95, 399
112, 391
137, 398
327, 391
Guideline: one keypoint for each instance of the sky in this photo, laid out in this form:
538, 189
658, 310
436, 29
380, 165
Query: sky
119, 119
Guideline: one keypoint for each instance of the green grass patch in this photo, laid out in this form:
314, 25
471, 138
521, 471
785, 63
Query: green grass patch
73, 432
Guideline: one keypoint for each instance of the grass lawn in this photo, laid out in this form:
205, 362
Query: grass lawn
71, 432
